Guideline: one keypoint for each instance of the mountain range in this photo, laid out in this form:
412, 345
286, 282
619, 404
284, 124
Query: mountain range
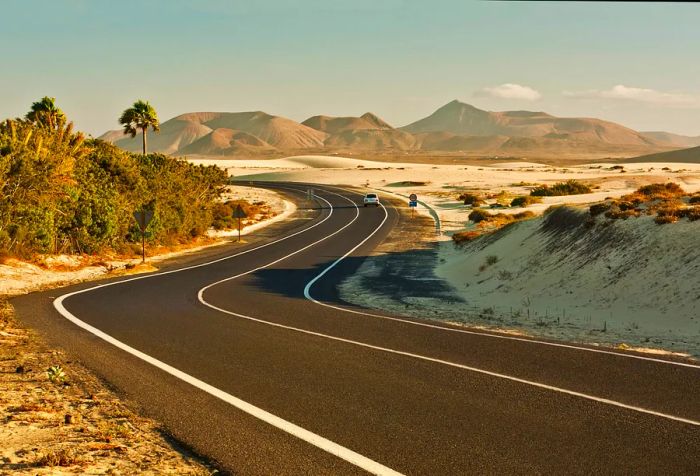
454, 129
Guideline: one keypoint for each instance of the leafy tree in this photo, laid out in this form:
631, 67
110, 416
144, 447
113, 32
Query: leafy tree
60, 193
140, 116
46, 112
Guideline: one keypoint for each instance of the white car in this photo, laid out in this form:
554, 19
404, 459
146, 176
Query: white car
371, 199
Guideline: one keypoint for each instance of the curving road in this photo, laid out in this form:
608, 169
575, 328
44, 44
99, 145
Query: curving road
247, 355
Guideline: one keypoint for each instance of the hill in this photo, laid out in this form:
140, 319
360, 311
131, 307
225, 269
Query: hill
224, 141
454, 129
685, 156
336, 125
181, 131
464, 119
674, 140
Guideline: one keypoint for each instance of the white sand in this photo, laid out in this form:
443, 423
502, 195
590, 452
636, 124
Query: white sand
640, 282
443, 183
643, 290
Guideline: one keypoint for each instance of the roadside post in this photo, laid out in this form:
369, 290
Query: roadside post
413, 202
143, 218
239, 213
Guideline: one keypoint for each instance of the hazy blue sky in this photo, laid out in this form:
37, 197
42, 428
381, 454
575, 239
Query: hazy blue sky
637, 64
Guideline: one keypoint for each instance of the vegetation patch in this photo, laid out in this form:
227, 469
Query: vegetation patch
407, 183
471, 199
525, 200
667, 202
62, 193
570, 187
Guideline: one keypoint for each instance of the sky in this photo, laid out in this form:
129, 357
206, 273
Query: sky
632, 63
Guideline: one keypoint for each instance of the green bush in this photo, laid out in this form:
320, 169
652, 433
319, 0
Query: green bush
59, 193
570, 187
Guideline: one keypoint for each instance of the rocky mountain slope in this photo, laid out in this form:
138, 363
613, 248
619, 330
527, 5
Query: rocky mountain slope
456, 128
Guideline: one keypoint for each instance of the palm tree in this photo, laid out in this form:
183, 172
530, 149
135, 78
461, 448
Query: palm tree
47, 113
140, 116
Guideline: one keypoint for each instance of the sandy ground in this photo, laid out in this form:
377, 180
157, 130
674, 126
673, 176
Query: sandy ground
72, 425
21, 277
639, 290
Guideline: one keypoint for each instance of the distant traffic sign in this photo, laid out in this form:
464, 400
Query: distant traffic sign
143, 218
412, 203
413, 197
239, 213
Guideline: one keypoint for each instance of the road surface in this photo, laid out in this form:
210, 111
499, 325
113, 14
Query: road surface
247, 355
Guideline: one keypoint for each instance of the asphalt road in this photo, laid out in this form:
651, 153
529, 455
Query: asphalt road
250, 360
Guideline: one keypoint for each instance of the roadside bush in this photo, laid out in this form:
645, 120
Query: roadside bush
694, 199
525, 200
62, 194
570, 187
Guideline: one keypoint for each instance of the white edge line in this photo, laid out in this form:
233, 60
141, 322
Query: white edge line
314, 439
284, 425
466, 331
200, 297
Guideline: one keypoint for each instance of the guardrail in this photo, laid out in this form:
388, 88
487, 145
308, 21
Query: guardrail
431, 210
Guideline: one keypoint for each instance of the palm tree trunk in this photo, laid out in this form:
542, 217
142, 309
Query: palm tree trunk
144, 140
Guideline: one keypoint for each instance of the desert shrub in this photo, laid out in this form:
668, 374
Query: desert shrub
479, 215
570, 187
694, 199
661, 190
471, 199
491, 260
465, 236
664, 219
599, 208
525, 200
522, 215
616, 214
693, 213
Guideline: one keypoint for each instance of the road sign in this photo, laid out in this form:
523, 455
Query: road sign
412, 204
413, 197
239, 213
143, 218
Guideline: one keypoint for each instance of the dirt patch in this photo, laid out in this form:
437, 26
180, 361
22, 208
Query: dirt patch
60, 419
